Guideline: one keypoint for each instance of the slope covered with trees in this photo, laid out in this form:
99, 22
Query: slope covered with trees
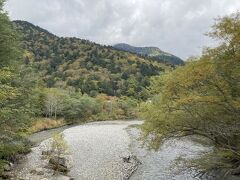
86, 66
152, 52
30, 66
202, 98
17, 97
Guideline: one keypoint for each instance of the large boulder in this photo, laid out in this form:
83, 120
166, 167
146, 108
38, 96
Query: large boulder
55, 160
59, 164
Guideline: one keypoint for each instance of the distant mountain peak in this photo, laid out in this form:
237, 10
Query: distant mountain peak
153, 52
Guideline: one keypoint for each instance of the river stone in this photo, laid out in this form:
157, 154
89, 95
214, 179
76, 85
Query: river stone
47, 153
38, 171
33, 171
59, 164
61, 169
58, 161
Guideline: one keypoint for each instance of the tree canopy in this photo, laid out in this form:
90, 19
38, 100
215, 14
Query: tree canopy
202, 98
86, 66
15, 94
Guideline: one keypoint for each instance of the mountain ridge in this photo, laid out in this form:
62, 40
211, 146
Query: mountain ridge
69, 62
150, 51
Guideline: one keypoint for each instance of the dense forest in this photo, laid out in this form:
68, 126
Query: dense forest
88, 67
202, 98
16, 94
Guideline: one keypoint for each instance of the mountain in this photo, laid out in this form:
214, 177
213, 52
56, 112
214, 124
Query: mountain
153, 52
86, 66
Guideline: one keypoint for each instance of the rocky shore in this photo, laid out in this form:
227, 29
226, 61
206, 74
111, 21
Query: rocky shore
97, 151
107, 151
38, 165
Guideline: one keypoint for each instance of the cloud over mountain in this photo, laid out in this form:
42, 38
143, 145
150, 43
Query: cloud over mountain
174, 26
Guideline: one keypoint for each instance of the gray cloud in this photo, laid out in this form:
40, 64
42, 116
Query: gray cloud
176, 26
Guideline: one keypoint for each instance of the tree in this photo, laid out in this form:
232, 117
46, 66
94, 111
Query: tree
54, 102
202, 98
80, 108
91, 67
58, 145
9, 40
16, 92
13, 96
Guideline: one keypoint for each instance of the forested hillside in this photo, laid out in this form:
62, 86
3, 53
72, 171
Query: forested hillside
151, 52
47, 83
88, 67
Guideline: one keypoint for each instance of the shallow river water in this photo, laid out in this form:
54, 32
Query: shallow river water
97, 150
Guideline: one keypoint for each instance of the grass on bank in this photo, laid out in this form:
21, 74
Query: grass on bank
42, 124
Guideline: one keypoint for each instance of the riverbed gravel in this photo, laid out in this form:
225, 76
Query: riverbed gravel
97, 150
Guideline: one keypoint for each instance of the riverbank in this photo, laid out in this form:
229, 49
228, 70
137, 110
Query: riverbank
42, 124
34, 139
40, 130
99, 151
110, 150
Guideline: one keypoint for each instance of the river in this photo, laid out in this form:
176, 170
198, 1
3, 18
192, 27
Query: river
97, 150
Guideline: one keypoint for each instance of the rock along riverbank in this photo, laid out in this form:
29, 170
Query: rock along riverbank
109, 151
97, 150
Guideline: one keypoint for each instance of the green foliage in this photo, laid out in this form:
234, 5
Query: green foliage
10, 149
76, 108
59, 145
86, 66
9, 44
202, 98
80, 108
16, 92
2, 162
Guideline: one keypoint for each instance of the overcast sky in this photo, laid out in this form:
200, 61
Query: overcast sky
175, 26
